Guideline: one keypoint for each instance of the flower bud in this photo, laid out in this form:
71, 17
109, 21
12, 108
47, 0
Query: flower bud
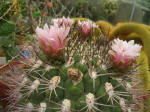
86, 27
67, 22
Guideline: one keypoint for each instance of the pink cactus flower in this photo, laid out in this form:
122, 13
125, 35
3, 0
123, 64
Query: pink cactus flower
67, 22
86, 27
124, 53
52, 40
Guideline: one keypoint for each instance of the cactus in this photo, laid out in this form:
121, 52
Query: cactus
132, 35
81, 79
80, 19
141, 32
105, 27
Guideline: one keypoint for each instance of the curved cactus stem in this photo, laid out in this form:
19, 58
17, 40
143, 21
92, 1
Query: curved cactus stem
145, 74
129, 28
80, 19
106, 27
133, 36
146, 26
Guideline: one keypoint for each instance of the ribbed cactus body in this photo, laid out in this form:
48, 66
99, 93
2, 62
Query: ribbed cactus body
93, 84
145, 75
74, 91
84, 80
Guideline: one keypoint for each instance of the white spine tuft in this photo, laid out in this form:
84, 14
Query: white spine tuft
54, 82
90, 100
43, 107
66, 106
35, 85
29, 107
109, 89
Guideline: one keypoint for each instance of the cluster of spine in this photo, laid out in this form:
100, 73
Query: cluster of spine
82, 79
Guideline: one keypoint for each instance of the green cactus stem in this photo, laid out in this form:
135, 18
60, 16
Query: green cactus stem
145, 74
80, 19
106, 27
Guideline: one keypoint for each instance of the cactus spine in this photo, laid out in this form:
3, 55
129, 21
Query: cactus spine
85, 80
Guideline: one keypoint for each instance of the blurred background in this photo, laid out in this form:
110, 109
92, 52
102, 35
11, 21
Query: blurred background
19, 18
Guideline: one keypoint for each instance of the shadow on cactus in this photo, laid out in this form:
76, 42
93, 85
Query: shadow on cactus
76, 73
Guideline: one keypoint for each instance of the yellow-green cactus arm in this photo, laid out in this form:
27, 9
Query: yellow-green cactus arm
132, 36
129, 37
135, 36
129, 28
80, 19
145, 75
144, 68
105, 26
146, 26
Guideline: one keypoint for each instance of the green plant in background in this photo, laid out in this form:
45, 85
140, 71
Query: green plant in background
72, 72
6, 30
144, 3
4, 7
7, 39
110, 7
11, 29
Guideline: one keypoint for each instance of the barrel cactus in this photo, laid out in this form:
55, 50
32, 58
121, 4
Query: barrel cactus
74, 67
